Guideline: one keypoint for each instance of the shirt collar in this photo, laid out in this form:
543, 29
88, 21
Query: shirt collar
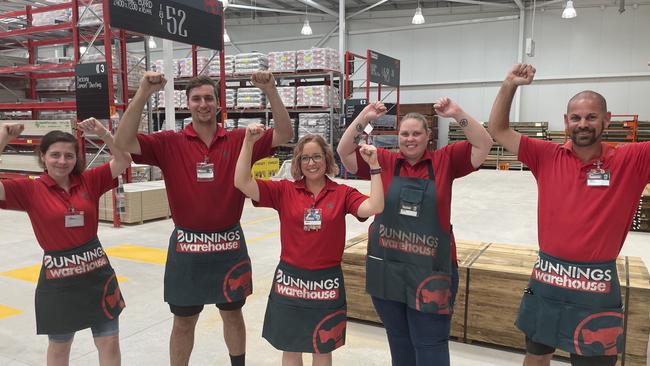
330, 185
426, 156
75, 180
190, 132
607, 151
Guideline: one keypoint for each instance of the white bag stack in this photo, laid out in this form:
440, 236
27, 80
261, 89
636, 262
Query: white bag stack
230, 124
282, 61
244, 122
288, 96
317, 59
52, 17
248, 63
213, 68
158, 66
316, 96
231, 98
250, 98
316, 123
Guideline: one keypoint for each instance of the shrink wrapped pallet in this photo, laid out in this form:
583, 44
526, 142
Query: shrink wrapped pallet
282, 61
247, 63
316, 96
314, 123
317, 59
250, 98
287, 95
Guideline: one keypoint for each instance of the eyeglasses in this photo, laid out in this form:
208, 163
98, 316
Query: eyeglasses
304, 159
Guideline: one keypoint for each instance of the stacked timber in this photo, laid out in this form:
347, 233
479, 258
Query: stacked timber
641, 220
500, 158
492, 278
140, 202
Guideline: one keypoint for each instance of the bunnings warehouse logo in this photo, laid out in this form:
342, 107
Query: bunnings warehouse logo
188, 242
74, 264
572, 277
290, 286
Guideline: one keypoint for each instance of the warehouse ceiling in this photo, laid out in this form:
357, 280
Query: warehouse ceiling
257, 8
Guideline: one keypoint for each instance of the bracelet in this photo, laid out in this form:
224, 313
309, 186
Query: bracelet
375, 171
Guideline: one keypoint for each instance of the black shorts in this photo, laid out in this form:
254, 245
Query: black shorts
187, 311
539, 349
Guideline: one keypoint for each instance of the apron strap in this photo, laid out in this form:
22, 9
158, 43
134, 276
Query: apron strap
398, 167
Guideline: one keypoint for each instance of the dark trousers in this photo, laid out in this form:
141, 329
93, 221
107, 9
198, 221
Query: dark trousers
416, 338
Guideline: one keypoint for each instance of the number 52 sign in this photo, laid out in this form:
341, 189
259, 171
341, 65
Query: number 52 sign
196, 22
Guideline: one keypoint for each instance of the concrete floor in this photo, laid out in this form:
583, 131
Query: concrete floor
487, 205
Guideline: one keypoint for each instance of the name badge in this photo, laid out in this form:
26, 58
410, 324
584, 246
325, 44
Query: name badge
313, 219
204, 172
74, 219
409, 209
598, 178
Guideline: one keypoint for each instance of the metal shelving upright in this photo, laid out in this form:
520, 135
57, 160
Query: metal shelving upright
21, 33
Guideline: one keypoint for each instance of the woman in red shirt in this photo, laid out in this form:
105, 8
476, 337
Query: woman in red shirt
77, 287
306, 307
411, 269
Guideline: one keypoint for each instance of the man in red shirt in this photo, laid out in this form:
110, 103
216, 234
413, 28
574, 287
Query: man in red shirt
588, 193
207, 261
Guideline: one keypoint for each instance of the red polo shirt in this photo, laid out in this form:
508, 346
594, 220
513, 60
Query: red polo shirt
46, 204
450, 162
201, 206
577, 222
316, 249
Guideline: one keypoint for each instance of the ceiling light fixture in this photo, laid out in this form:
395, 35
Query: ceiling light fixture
569, 11
226, 37
418, 18
152, 42
306, 28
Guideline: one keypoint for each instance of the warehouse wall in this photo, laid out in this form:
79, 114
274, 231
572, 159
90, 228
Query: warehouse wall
599, 50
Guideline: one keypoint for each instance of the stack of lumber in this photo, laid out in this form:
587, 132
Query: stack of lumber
641, 221
492, 278
140, 202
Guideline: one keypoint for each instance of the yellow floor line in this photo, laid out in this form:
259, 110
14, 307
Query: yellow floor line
6, 311
30, 274
248, 241
138, 253
268, 218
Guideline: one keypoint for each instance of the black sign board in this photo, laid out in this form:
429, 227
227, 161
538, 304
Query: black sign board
384, 70
196, 22
91, 82
353, 107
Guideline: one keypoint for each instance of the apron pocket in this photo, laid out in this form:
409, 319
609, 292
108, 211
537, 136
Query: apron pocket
538, 318
375, 269
411, 195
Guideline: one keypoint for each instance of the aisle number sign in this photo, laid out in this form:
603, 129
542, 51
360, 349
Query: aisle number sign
384, 70
196, 22
91, 84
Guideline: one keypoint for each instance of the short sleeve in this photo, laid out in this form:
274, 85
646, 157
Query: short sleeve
100, 180
152, 148
460, 158
271, 193
531, 150
354, 199
18, 194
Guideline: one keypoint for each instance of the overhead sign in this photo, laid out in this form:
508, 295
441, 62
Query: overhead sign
384, 70
91, 84
196, 22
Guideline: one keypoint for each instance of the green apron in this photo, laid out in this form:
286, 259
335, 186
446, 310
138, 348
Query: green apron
409, 254
207, 267
306, 311
77, 289
573, 306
